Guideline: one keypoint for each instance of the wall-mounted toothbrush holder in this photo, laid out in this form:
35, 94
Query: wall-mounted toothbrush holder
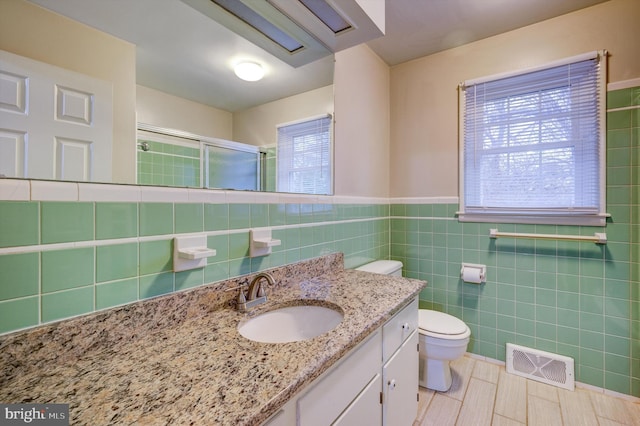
261, 242
191, 252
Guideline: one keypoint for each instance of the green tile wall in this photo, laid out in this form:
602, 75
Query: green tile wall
19, 224
189, 217
68, 268
156, 218
20, 313
116, 293
116, 261
575, 299
19, 276
168, 164
116, 220
64, 304
66, 222
52, 282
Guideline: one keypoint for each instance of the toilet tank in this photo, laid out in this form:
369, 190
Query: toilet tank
387, 267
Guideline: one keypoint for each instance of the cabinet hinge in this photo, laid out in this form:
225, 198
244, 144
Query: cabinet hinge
381, 397
418, 397
418, 347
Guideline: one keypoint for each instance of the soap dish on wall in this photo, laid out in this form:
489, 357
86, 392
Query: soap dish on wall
191, 252
261, 242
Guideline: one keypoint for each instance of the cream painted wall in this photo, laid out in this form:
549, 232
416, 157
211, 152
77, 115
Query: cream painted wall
257, 126
172, 112
361, 81
424, 97
34, 32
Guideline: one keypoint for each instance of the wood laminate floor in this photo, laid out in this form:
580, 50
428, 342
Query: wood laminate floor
483, 393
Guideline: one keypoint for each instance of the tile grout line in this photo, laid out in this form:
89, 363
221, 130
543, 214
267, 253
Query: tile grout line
495, 399
466, 389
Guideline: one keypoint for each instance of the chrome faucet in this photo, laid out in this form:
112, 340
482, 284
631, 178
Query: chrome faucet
256, 293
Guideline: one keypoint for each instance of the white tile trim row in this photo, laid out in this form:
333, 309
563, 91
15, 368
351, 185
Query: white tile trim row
624, 84
424, 200
15, 190
42, 190
53, 191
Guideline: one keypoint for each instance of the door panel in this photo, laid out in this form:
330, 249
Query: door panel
365, 409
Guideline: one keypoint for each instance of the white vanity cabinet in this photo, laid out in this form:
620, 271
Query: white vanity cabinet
376, 383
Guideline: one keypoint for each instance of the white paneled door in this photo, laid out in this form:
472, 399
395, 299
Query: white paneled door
54, 123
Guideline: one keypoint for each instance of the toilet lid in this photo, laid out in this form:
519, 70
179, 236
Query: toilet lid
440, 323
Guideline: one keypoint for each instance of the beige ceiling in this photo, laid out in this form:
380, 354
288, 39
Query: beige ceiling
184, 53
416, 28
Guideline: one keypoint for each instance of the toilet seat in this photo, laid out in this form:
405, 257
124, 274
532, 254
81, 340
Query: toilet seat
441, 325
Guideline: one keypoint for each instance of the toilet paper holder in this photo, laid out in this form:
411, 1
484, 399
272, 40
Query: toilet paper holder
473, 273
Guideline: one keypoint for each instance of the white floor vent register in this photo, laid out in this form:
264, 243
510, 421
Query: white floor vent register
546, 367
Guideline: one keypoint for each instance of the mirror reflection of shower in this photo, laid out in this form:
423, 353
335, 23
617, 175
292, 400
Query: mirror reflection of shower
171, 157
231, 165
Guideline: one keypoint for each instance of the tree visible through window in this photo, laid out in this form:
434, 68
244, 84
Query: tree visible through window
304, 157
532, 144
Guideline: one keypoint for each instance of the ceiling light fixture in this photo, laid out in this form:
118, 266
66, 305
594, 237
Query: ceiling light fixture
249, 71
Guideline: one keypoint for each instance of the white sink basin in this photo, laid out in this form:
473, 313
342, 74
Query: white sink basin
291, 324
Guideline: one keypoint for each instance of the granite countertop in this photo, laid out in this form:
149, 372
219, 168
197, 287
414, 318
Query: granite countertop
179, 359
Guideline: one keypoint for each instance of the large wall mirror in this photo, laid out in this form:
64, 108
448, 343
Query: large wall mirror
177, 114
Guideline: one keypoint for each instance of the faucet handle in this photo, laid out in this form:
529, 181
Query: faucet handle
261, 292
241, 297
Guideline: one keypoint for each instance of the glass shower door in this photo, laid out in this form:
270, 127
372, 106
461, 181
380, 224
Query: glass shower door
227, 167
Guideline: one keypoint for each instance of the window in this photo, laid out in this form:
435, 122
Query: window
304, 156
532, 145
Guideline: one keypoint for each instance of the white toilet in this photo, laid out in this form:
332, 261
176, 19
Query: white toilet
443, 337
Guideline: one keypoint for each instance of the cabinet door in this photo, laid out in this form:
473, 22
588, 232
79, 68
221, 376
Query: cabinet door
332, 393
400, 385
365, 409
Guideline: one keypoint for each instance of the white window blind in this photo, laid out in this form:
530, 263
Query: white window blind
533, 145
304, 156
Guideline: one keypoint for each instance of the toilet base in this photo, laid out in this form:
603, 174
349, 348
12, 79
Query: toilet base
435, 374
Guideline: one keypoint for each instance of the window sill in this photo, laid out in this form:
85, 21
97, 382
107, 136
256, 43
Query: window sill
572, 220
